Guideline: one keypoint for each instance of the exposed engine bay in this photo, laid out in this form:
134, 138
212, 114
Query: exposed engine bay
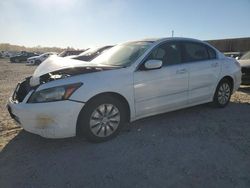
61, 74
31, 83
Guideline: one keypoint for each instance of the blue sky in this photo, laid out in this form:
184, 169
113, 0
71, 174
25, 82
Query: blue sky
86, 23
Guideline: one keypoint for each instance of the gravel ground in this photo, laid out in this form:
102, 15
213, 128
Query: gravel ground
196, 147
10, 75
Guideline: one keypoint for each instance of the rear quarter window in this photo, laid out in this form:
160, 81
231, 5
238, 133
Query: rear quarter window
211, 53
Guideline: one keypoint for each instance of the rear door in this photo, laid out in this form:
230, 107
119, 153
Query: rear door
204, 70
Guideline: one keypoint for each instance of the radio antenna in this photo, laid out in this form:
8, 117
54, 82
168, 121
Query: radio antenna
172, 33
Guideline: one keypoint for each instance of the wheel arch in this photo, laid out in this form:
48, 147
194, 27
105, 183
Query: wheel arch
110, 94
215, 101
226, 77
230, 79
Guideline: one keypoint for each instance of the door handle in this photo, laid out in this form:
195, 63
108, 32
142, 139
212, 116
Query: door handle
181, 71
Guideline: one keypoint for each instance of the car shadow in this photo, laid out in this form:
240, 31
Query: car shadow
199, 146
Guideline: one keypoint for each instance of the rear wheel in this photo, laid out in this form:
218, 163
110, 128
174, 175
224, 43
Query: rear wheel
101, 119
223, 93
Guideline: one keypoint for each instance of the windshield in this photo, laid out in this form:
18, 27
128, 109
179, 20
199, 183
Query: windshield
62, 54
123, 55
89, 51
246, 56
43, 55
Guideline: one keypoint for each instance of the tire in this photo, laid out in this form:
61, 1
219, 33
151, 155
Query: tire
222, 94
16, 61
101, 119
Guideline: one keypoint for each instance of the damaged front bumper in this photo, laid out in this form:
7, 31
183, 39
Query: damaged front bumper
51, 120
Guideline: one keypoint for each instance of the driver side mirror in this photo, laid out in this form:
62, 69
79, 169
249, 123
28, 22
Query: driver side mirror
152, 64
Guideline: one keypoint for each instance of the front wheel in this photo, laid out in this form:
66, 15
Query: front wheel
101, 119
223, 93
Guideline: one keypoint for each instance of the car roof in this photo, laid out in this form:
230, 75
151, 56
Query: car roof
170, 39
158, 40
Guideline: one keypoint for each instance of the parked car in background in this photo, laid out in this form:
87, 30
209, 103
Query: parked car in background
5, 54
236, 55
9, 54
22, 57
245, 68
36, 60
91, 54
130, 81
70, 52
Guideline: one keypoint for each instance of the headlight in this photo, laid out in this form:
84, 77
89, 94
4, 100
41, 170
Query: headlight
54, 94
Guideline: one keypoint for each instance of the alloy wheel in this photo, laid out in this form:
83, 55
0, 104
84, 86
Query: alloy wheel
224, 93
104, 120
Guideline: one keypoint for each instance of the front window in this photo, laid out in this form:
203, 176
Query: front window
123, 55
168, 53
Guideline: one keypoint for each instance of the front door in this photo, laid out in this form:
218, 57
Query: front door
161, 89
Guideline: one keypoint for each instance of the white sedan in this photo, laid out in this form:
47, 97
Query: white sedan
36, 60
66, 97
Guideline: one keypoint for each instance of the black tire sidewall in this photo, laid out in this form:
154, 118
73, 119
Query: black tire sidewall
84, 118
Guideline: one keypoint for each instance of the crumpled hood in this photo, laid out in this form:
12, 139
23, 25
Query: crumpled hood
55, 63
70, 56
244, 63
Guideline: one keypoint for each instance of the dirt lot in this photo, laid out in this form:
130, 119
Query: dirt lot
196, 147
10, 75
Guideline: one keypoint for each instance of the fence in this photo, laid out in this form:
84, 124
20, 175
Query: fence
231, 45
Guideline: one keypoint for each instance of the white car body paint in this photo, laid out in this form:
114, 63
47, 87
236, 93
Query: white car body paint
147, 92
40, 58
